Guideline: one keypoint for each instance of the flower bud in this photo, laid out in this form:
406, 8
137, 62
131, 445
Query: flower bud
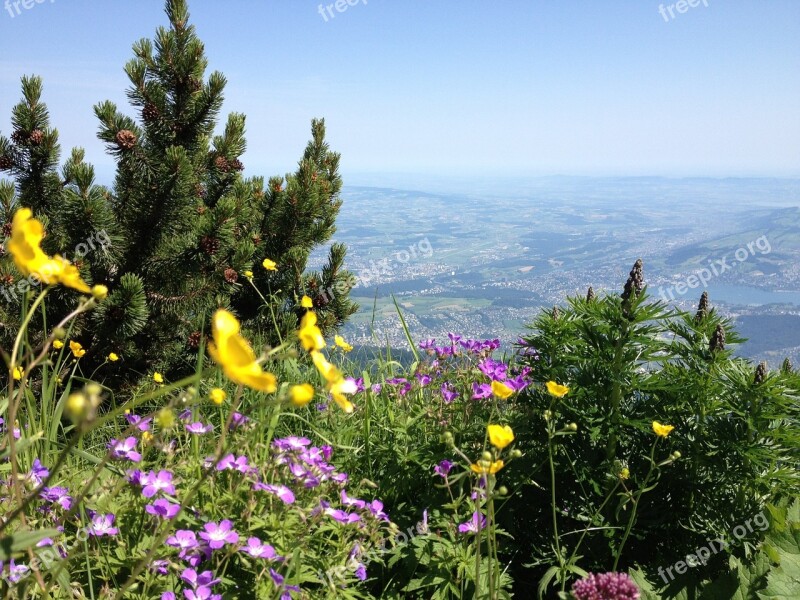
516, 453
676, 455
99, 292
502, 491
572, 427
59, 333
548, 414
486, 456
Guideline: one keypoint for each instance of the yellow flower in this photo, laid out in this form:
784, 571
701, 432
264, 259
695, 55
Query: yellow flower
18, 373
501, 390
500, 435
99, 292
58, 344
25, 247
483, 469
306, 302
77, 349
112, 356
662, 430
217, 396
556, 389
147, 437
234, 354
158, 377
77, 407
338, 386
248, 274
624, 473
301, 394
310, 336
342, 344
165, 418
270, 265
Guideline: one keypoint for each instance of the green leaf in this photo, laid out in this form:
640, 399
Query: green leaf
20, 541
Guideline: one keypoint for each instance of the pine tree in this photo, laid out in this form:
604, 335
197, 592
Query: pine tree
175, 235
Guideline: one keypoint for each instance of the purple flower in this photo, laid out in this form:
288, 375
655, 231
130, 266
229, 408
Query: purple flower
219, 535
38, 472
493, 369
134, 477
427, 344
285, 589
376, 508
125, 449
291, 443
376, 388
474, 525
443, 468
281, 491
198, 428
359, 384
168, 596
195, 579
348, 501
257, 549
361, 571
422, 526
237, 420
342, 516
237, 464
159, 567
185, 539
163, 508
423, 379
157, 482
448, 393
57, 495
17, 572
102, 525
605, 586
481, 390
454, 339
142, 424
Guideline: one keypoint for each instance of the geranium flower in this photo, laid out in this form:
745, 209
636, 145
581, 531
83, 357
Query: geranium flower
343, 516
662, 430
257, 549
198, 428
102, 525
235, 355
443, 469
163, 508
25, 247
474, 525
217, 535
285, 494
157, 482
184, 539
448, 394
141, 423
556, 389
57, 495
196, 580
125, 449
481, 390
500, 436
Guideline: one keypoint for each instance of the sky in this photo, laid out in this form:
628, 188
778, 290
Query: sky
452, 88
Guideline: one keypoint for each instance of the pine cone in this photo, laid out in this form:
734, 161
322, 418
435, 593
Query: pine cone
277, 188
556, 313
36, 137
7, 229
231, 276
194, 84
150, 112
7, 279
718, 339
236, 165
590, 294
635, 283
702, 308
321, 301
19, 137
2, 250
256, 239
201, 210
6, 163
193, 341
222, 164
761, 373
126, 139
209, 244
786, 367
200, 192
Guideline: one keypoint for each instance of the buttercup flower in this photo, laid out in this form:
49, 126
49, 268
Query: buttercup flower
158, 377
662, 430
248, 274
306, 302
270, 265
501, 390
483, 469
99, 292
556, 389
25, 247
18, 373
301, 394
112, 357
309, 334
77, 349
217, 396
234, 354
339, 341
500, 436
58, 344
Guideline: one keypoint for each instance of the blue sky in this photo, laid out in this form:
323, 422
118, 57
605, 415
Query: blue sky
452, 87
